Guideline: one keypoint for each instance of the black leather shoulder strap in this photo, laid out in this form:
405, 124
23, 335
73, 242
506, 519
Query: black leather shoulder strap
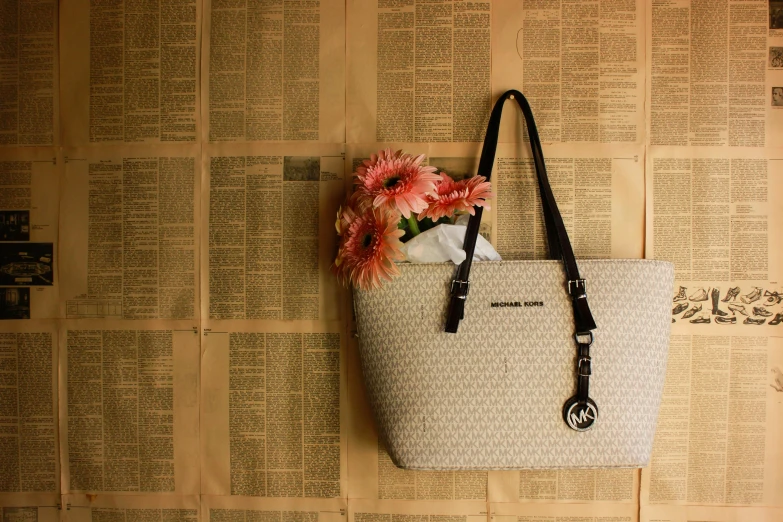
557, 237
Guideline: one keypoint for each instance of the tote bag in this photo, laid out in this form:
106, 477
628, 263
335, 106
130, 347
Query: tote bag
518, 364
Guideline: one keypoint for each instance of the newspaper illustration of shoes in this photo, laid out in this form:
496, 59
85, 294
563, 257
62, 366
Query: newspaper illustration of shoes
763, 312
699, 295
777, 319
725, 320
751, 297
680, 295
693, 311
737, 308
703, 319
679, 308
731, 294
750, 320
772, 298
715, 294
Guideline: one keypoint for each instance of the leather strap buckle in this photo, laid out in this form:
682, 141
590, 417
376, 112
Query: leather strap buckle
584, 366
460, 288
584, 338
577, 288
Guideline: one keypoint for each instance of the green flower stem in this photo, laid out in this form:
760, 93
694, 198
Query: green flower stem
413, 225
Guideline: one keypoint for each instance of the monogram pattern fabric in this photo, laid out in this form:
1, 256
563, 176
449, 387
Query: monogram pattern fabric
491, 395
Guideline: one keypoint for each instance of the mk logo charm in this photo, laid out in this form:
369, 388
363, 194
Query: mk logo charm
581, 416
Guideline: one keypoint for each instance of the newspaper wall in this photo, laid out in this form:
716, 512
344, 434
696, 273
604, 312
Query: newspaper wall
115, 508
173, 345
130, 71
599, 193
29, 99
268, 231
418, 72
713, 184
274, 70
716, 214
271, 422
716, 80
562, 512
580, 64
29, 194
367, 510
129, 407
665, 513
129, 232
28, 415
28, 508
243, 509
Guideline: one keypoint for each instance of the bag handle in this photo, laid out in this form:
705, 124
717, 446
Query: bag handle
580, 411
557, 236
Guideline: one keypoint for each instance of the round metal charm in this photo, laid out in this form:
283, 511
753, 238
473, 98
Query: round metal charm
580, 415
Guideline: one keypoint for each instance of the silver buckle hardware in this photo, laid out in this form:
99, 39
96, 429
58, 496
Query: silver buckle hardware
584, 338
577, 288
584, 368
460, 288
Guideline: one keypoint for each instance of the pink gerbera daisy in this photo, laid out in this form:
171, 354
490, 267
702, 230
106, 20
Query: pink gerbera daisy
452, 196
354, 204
396, 181
370, 245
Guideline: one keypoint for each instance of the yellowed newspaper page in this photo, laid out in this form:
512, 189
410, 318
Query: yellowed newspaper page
716, 214
714, 73
129, 407
129, 233
249, 509
709, 514
595, 486
268, 231
29, 446
599, 191
116, 508
29, 260
30, 508
272, 416
366, 510
29, 85
129, 71
718, 439
718, 218
559, 512
272, 370
273, 71
417, 71
581, 64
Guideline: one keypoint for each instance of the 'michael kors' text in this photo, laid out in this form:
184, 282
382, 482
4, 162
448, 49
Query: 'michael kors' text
515, 304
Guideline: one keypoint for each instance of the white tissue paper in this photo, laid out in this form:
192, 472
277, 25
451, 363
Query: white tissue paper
444, 243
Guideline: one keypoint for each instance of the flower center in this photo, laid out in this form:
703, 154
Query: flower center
391, 182
366, 240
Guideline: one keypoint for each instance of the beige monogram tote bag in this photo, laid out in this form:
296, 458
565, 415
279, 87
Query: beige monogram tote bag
509, 366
